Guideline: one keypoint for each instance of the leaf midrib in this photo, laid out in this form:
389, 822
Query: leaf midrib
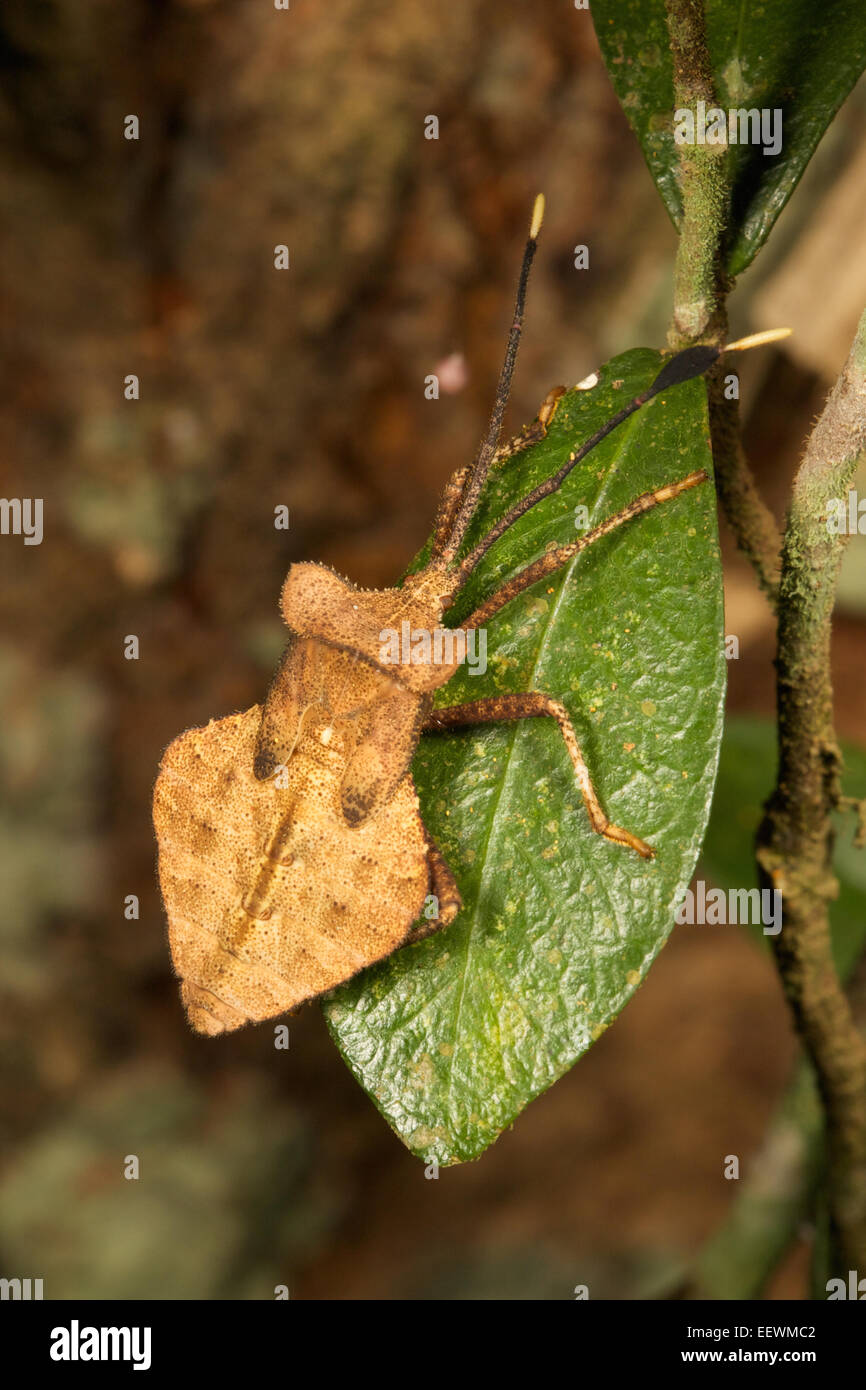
506, 780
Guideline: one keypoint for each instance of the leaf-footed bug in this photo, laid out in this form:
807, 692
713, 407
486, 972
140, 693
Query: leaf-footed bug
292, 852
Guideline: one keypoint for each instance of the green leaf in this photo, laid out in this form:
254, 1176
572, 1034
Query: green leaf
796, 56
453, 1036
747, 770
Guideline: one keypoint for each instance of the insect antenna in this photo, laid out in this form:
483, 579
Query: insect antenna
684, 366
485, 455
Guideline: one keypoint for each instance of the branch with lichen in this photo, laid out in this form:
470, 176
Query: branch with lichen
701, 287
795, 840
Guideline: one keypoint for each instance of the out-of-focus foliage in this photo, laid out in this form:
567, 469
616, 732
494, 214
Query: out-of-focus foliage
51, 856
151, 1189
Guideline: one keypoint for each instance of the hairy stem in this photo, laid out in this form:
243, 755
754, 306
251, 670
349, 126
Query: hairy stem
700, 281
701, 287
795, 840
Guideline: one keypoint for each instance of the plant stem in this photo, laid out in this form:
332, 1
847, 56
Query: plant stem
795, 840
701, 287
700, 281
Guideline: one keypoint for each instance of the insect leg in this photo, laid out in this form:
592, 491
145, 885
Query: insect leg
443, 886
452, 498
533, 705
554, 559
531, 434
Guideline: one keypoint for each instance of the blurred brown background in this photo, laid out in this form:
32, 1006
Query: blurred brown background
306, 387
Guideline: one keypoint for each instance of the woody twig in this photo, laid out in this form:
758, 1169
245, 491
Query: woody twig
795, 840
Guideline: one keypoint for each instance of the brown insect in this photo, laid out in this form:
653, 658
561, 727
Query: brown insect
292, 852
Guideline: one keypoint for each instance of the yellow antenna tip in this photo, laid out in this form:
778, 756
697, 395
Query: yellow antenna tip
537, 217
770, 335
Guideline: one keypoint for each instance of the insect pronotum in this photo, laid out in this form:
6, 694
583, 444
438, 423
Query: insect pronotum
292, 852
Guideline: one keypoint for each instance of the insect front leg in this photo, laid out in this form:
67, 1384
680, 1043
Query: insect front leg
534, 433
455, 488
448, 509
533, 705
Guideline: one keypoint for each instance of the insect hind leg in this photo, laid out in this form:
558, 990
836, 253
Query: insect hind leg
443, 887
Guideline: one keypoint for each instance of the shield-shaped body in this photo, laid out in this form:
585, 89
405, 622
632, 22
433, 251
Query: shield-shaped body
274, 894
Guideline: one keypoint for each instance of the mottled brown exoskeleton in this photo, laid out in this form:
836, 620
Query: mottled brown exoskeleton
292, 852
